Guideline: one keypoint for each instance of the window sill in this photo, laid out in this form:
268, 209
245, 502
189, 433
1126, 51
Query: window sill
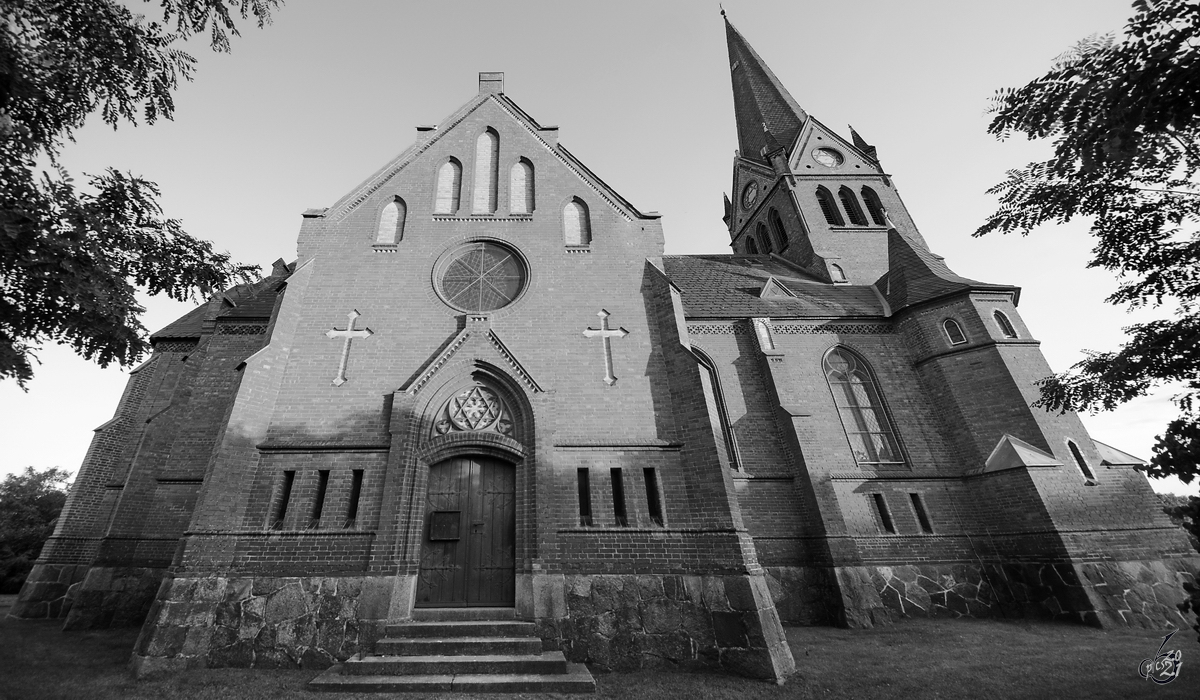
578, 249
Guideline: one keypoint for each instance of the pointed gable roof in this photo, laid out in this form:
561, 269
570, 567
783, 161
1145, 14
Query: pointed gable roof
762, 106
1112, 457
1012, 452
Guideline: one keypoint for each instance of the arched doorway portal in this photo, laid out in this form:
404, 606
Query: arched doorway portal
468, 548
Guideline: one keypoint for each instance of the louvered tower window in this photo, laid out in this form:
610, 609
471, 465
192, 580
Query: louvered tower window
874, 206
781, 237
829, 208
751, 246
764, 240
449, 184
860, 406
487, 166
577, 226
520, 188
850, 204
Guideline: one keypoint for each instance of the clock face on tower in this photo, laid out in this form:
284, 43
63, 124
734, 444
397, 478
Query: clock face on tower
750, 195
827, 157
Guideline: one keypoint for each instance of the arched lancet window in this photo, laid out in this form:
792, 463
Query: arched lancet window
829, 208
391, 223
781, 238
577, 227
860, 406
751, 246
836, 273
449, 184
874, 206
718, 412
520, 188
487, 166
1079, 461
954, 332
850, 204
764, 240
1006, 326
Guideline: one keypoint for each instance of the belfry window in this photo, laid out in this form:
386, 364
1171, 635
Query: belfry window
391, 223
577, 226
860, 406
520, 188
850, 204
874, 206
449, 184
781, 238
1006, 326
764, 239
751, 246
829, 208
487, 165
954, 332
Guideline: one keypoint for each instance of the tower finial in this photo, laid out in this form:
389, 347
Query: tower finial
722, 9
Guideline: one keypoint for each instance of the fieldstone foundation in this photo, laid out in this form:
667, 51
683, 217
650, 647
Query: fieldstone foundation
112, 596
49, 591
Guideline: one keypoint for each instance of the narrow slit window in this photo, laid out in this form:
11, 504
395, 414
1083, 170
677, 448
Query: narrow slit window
585, 498
954, 332
751, 246
520, 188
885, 516
850, 204
356, 483
577, 225
829, 208
1006, 326
922, 515
653, 500
764, 240
319, 501
1079, 461
449, 185
289, 478
618, 494
487, 166
874, 206
781, 237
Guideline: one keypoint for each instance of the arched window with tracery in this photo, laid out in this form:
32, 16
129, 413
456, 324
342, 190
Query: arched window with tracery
449, 185
829, 207
520, 188
718, 412
874, 206
850, 204
954, 332
764, 240
751, 246
487, 166
860, 406
391, 223
1006, 326
577, 226
781, 237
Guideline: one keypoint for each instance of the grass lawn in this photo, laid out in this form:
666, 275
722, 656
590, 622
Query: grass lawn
912, 659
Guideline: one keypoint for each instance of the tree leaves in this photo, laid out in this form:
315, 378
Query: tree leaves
1124, 116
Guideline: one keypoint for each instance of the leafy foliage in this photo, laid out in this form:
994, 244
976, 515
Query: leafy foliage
71, 259
1124, 117
29, 508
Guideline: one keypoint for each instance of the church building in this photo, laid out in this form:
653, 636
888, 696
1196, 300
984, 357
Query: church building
481, 394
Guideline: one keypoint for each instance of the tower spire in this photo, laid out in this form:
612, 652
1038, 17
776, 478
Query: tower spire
761, 105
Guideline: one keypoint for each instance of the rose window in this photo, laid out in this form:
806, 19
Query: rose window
475, 409
482, 276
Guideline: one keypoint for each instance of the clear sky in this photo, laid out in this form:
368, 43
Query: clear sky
307, 108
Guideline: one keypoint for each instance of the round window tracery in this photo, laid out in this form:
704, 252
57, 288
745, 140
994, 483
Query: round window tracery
481, 276
474, 409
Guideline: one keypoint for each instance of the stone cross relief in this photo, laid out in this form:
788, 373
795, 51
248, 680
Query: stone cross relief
604, 333
349, 334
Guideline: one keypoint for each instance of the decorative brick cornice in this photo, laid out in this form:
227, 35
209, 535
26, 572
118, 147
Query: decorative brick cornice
513, 363
175, 345
241, 328
438, 363
718, 329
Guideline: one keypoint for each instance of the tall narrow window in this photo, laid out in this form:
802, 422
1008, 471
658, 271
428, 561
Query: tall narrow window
487, 167
885, 516
285, 496
1079, 461
391, 223
618, 494
954, 332
919, 509
850, 204
829, 207
718, 412
449, 185
781, 237
585, 497
874, 206
520, 188
751, 246
319, 501
356, 483
836, 273
857, 397
764, 240
1006, 326
577, 226
653, 501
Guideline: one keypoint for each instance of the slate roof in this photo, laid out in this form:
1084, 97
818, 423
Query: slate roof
728, 286
917, 275
759, 100
255, 300
186, 326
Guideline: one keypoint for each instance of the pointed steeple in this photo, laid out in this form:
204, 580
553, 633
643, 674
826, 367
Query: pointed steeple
861, 144
763, 108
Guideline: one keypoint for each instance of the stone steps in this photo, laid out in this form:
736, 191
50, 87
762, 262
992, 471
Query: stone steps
466, 650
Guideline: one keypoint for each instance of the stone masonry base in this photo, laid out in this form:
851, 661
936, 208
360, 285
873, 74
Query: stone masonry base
114, 596
49, 591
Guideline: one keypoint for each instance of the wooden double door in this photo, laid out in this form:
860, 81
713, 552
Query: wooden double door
468, 553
